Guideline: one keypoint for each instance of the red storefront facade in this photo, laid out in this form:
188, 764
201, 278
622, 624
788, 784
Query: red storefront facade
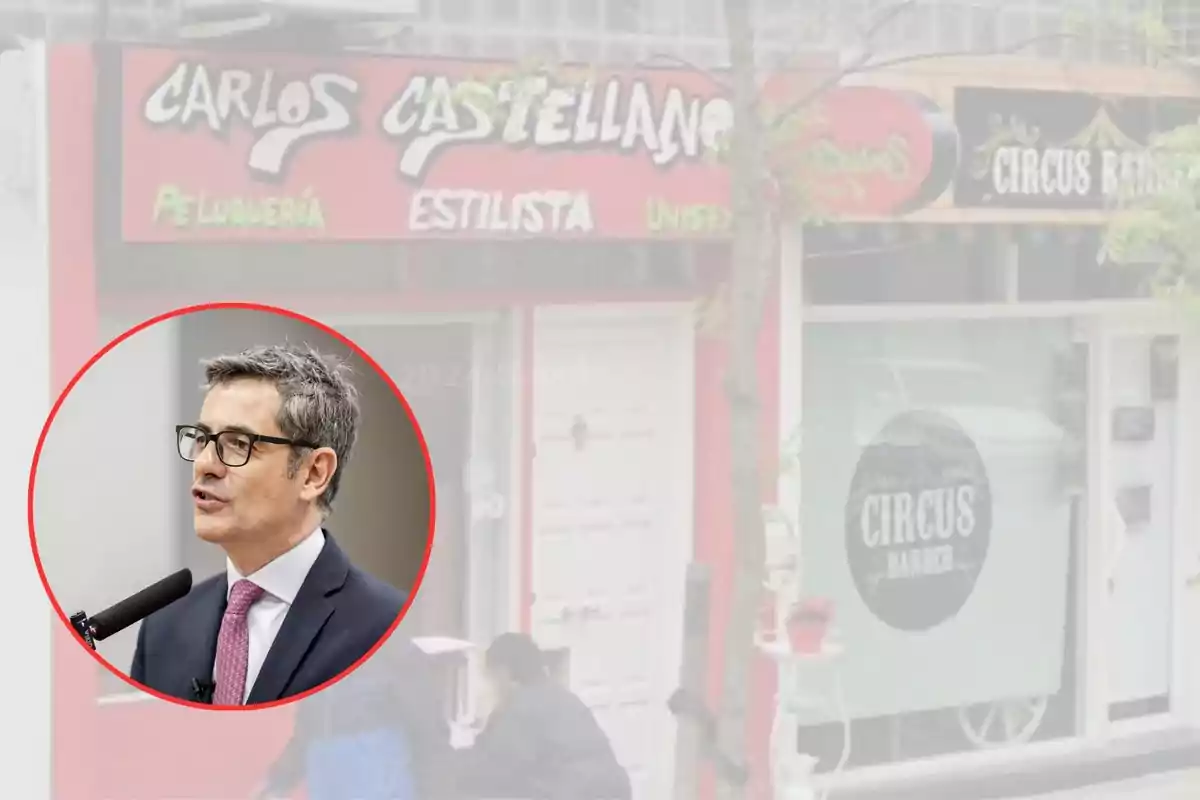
208, 163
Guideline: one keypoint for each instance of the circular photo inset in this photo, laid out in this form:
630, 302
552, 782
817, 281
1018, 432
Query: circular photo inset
232, 506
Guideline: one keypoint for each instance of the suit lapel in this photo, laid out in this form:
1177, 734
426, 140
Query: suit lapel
315, 602
198, 658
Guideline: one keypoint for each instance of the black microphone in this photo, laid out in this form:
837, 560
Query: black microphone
203, 690
133, 609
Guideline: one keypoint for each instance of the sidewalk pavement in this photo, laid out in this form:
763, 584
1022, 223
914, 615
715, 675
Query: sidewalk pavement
1184, 785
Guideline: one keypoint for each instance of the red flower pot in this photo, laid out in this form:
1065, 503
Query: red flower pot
766, 618
807, 634
808, 625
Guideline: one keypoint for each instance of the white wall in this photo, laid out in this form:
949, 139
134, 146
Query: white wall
24, 324
104, 489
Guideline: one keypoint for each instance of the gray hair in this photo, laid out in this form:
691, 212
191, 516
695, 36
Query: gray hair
317, 401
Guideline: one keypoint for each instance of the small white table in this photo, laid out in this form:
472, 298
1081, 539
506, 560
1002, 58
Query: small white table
792, 771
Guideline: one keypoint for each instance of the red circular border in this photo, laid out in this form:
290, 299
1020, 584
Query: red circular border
179, 312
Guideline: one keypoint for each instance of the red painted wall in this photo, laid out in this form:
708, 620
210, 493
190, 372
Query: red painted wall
72, 342
138, 750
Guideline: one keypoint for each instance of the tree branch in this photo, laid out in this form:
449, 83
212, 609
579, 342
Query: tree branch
868, 38
865, 65
886, 17
671, 58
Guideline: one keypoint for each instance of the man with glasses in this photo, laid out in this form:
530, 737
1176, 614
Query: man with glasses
290, 612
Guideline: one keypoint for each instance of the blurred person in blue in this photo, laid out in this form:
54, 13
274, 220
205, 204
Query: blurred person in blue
381, 733
540, 742
290, 612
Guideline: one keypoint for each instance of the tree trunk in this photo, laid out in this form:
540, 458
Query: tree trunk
753, 260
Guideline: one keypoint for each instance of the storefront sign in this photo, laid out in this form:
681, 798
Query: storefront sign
270, 147
867, 150
1063, 150
919, 521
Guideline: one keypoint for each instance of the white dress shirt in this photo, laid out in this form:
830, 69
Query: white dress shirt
280, 581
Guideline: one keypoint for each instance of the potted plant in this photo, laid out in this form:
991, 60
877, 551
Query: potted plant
808, 624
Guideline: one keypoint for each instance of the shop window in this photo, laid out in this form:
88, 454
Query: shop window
851, 265
455, 10
1015, 26
544, 13
1048, 29
954, 26
1066, 264
938, 523
624, 16
1182, 17
704, 18
665, 17
582, 14
914, 30
506, 12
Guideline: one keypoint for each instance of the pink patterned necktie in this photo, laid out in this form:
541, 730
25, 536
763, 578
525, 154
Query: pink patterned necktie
233, 645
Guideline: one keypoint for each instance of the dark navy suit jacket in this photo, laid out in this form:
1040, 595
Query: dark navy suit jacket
339, 614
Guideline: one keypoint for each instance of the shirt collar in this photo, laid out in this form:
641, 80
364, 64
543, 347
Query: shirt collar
283, 577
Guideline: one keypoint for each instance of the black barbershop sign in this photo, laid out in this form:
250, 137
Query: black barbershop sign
918, 521
1062, 150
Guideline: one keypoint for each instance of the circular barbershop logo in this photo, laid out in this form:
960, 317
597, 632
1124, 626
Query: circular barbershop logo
918, 521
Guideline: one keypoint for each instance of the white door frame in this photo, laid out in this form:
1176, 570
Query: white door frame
1188, 610
1147, 323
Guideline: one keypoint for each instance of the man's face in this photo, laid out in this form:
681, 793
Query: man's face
258, 499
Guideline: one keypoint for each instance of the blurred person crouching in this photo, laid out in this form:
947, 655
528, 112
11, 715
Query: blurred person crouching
378, 734
540, 741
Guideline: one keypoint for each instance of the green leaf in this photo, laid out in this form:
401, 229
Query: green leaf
1162, 230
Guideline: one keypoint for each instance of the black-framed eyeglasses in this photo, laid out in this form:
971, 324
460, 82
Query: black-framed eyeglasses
234, 448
